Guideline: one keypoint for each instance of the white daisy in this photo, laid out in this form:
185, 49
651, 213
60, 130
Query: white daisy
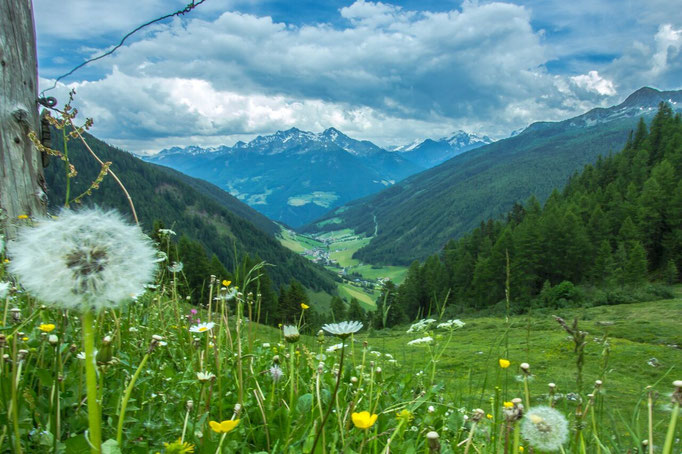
202, 327
343, 329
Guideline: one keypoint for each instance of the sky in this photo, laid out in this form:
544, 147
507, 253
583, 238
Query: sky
389, 72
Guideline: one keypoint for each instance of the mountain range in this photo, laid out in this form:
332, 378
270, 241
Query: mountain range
428, 153
296, 176
418, 215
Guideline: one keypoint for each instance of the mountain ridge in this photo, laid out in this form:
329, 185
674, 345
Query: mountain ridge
417, 216
293, 176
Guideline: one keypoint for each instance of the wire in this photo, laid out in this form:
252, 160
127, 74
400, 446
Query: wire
180, 12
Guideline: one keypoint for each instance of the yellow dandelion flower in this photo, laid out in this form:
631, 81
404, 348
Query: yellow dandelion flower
364, 420
223, 427
6, 260
489, 416
521, 449
508, 405
504, 363
226, 283
24, 339
179, 447
304, 306
46, 327
22, 216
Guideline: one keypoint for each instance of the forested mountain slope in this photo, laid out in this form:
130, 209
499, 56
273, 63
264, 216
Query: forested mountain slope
615, 225
417, 216
193, 208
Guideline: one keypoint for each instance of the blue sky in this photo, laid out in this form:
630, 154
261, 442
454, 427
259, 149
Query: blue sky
386, 72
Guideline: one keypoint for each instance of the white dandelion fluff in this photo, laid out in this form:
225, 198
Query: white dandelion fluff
545, 428
4, 289
89, 259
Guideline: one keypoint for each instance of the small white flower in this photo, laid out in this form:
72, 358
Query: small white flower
167, 232
451, 324
343, 329
205, 376
421, 325
334, 348
388, 355
431, 409
266, 345
375, 353
90, 259
421, 340
202, 327
291, 333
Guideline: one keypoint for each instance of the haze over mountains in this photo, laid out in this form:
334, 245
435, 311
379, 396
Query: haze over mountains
417, 216
296, 176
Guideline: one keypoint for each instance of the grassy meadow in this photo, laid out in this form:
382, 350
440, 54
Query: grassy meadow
175, 378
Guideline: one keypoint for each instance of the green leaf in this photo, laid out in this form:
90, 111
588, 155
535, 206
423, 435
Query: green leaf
111, 447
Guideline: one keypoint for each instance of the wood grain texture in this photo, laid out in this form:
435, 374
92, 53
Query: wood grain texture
21, 177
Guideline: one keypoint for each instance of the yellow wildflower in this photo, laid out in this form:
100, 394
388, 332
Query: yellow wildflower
404, 415
24, 339
508, 405
22, 216
226, 283
504, 363
521, 449
304, 306
179, 447
364, 420
489, 416
223, 427
46, 327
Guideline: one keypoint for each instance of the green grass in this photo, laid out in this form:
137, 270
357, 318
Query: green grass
367, 300
295, 242
395, 273
639, 332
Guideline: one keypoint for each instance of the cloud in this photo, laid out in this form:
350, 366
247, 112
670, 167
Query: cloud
592, 81
381, 72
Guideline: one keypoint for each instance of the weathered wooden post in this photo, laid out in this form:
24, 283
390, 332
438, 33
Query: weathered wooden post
21, 173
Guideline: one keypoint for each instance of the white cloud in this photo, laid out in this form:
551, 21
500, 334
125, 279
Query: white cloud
592, 81
385, 74
668, 48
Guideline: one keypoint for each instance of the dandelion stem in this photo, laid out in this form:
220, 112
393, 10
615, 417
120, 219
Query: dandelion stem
668, 446
16, 372
336, 390
94, 417
650, 405
470, 438
126, 398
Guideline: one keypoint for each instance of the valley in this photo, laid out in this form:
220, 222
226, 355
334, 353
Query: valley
334, 250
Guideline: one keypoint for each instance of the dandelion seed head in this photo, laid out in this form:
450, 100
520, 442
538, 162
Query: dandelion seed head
89, 259
545, 428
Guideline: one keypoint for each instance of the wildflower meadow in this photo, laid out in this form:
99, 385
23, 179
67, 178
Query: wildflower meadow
102, 353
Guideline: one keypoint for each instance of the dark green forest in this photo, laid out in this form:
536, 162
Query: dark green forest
210, 236
615, 228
